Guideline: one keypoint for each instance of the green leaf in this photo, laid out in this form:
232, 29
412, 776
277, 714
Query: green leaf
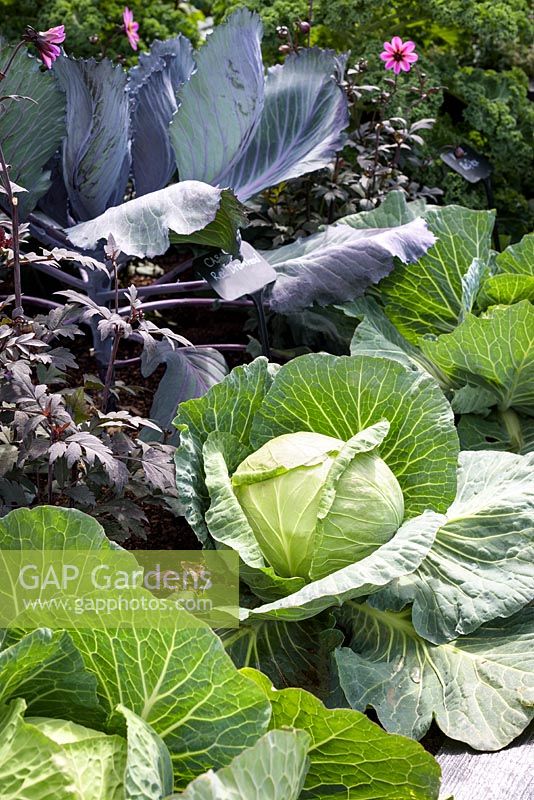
339, 396
273, 769
479, 688
27, 760
193, 211
349, 755
30, 132
400, 556
495, 352
229, 406
493, 432
481, 565
148, 771
426, 296
181, 682
52, 528
393, 211
46, 670
291, 654
93, 762
377, 336
518, 258
506, 289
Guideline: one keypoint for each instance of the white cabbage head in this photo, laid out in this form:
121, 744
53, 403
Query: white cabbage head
316, 503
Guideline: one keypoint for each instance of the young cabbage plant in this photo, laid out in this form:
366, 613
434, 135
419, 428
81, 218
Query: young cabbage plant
327, 477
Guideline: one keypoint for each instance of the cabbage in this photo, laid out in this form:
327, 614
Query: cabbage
281, 489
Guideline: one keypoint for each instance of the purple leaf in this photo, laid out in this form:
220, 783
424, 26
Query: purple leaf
339, 263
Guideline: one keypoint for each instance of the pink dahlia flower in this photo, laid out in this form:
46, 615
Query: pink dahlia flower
399, 55
46, 42
130, 27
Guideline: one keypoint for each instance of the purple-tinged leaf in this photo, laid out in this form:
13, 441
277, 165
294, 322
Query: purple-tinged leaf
30, 132
152, 86
339, 263
301, 128
96, 151
220, 106
189, 373
193, 211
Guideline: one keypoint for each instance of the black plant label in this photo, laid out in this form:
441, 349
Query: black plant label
472, 166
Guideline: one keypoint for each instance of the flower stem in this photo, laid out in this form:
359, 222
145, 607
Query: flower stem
110, 371
4, 72
13, 202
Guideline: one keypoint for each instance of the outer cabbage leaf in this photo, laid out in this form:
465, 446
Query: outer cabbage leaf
377, 336
193, 211
301, 126
481, 565
479, 688
229, 406
494, 432
181, 682
518, 258
93, 761
152, 86
30, 132
426, 296
339, 396
400, 556
46, 670
96, 151
291, 654
393, 211
52, 528
506, 289
221, 105
148, 771
272, 769
495, 351
341, 262
27, 758
349, 755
